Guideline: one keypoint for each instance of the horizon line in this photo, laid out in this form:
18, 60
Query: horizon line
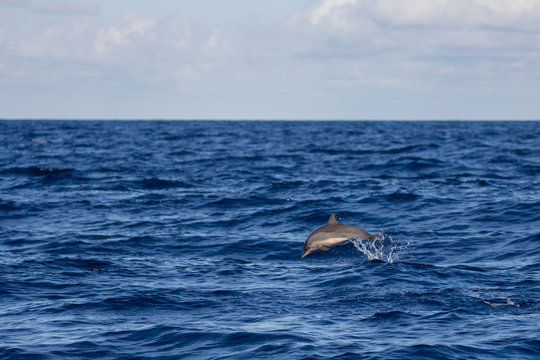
247, 119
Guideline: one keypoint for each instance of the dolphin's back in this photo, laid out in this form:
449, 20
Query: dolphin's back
338, 230
354, 232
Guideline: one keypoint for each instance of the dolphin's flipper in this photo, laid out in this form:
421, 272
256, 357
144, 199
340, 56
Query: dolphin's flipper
324, 248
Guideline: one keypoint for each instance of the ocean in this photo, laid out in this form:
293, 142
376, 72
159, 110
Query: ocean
182, 240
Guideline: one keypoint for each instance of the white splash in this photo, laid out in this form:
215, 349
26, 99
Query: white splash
383, 248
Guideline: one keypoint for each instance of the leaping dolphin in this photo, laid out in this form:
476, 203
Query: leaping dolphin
333, 233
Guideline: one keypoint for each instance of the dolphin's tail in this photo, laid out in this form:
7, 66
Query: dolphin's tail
372, 238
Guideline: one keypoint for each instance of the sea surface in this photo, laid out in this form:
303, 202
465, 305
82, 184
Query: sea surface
182, 240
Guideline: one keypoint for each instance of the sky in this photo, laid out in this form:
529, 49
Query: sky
279, 59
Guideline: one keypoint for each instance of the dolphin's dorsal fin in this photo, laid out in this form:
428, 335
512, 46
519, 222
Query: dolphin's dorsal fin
332, 219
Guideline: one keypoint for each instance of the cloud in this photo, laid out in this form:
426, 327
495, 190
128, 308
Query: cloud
110, 39
332, 10
66, 41
346, 14
415, 28
419, 46
55, 7
342, 50
14, 2
131, 48
515, 14
182, 36
66, 8
385, 37
218, 42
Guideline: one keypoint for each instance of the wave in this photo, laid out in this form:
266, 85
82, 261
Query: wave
156, 184
9, 206
41, 175
391, 316
36, 171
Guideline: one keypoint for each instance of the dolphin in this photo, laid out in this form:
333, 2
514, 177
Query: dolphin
333, 233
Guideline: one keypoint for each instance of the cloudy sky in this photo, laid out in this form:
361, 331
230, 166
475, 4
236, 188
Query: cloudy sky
279, 59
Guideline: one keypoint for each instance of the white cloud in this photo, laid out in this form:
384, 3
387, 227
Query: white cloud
419, 46
217, 42
332, 49
55, 7
183, 36
14, 2
132, 48
517, 14
66, 7
332, 10
59, 41
415, 28
109, 38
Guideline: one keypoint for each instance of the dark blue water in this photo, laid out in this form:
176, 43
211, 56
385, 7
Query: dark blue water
173, 240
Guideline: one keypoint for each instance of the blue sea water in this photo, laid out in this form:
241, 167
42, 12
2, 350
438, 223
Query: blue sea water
182, 240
